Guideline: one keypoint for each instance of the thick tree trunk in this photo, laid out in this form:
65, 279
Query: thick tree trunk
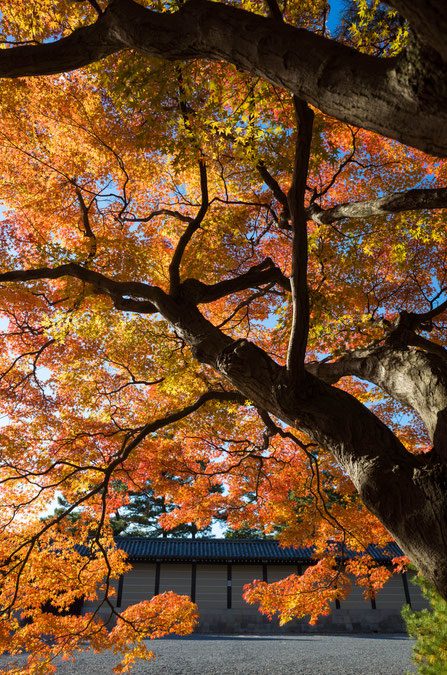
413, 377
404, 98
406, 492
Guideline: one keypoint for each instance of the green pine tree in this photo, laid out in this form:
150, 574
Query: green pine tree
429, 627
246, 532
138, 518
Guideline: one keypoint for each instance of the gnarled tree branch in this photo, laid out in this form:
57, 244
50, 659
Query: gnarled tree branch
415, 378
398, 202
388, 96
258, 275
116, 289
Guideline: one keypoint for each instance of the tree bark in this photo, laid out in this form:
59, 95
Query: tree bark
428, 20
398, 202
406, 492
402, 98
413, 377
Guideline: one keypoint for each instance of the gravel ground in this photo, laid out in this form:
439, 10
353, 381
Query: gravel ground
261, 655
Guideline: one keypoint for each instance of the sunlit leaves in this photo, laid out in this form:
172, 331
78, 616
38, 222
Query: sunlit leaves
374, 28
298, 596
102, 167
164, 614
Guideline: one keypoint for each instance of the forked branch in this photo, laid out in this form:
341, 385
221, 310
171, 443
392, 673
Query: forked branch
273, 10
193, 226
258, 275
423, 320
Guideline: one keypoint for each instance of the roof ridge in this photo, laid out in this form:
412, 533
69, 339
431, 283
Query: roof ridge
158, 549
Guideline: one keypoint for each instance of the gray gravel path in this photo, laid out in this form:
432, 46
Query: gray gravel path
262, 655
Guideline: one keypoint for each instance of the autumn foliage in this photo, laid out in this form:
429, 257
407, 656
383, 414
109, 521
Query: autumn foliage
135, 173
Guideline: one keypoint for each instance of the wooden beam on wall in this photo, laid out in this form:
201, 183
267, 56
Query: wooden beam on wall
264, 572
193, 581
157, 579
229, 585
119, 594
406, 588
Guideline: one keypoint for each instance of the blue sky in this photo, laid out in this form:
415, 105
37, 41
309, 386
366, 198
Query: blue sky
334, 14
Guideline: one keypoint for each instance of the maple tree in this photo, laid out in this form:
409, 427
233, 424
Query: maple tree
214, 283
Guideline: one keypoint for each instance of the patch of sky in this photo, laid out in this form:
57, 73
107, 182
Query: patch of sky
335, 13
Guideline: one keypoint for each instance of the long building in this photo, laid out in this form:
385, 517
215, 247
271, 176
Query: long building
213, 572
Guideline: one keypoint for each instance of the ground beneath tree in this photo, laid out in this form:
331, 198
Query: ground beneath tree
262, 655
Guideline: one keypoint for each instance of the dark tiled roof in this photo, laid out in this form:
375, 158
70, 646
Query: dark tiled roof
141, 549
